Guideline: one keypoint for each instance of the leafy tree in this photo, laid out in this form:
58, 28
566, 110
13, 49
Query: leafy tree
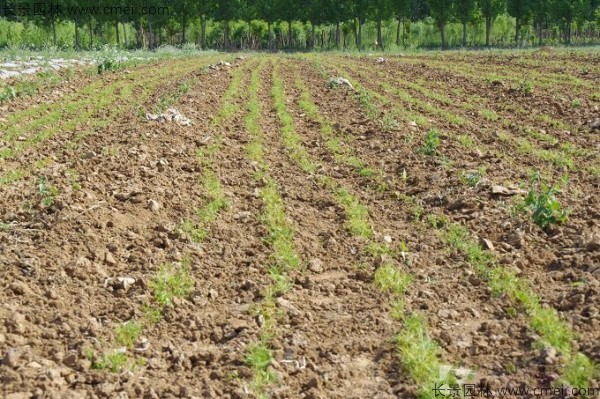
464, 12
490, 9
402, 11
226, 11
359, 10
378, 11
267, 10
540, 10
566, 11
521, 11
441, 11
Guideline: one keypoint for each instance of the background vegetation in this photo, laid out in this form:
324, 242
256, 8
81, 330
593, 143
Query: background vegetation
306, 24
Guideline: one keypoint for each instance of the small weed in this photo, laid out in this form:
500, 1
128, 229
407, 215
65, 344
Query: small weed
107, 65
473, 178
128, 333
73, 179
417, 212
171, 282
151, 315
397, 309
419, 356
466, 141
576, 103
489, 115
389, 278
114, 361
579, 371
511, 368
389, 123
358, 214
259, 358
544, 207
9, 93
525, 88
46, 191
432, 142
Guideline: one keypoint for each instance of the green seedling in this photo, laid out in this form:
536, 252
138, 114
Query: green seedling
128, 333
545, 209
46, 191
171, 282
389, 278
432, 142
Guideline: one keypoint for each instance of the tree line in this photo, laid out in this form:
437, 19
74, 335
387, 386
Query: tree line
338, 16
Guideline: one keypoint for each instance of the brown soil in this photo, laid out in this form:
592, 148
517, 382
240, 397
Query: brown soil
335, 338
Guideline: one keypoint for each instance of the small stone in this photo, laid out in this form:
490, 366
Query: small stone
312, 383
70, 360
153, 205
213, 294
488, 244
387, 239
18, 288
243, 217
110, 259
315, 265
473, 279
11, 358
89, 155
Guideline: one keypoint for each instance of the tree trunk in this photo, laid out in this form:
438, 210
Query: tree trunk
322, 38
540, 34
54, 31
488, 29
464, 40
290, 44
270, 41
379, 34
404, 31
337, 35
568, 31
517, 29
249, 34
150, 35
203, 32
76, 35
91, 32
139, 32
398, 33
183, 28
443, 33
125, 35
359, 36
226, 35
117, 31
312, 37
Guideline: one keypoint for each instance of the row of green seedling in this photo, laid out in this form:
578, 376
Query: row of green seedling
418, 352
561, 159
127, 339
215, 199
280, 238
94, 125
334, 142
553, 331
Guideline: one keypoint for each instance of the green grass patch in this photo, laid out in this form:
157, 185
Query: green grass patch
358, 214
390, 279
171, 282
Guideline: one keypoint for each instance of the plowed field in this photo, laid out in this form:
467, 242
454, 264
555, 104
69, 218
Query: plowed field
430, 228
